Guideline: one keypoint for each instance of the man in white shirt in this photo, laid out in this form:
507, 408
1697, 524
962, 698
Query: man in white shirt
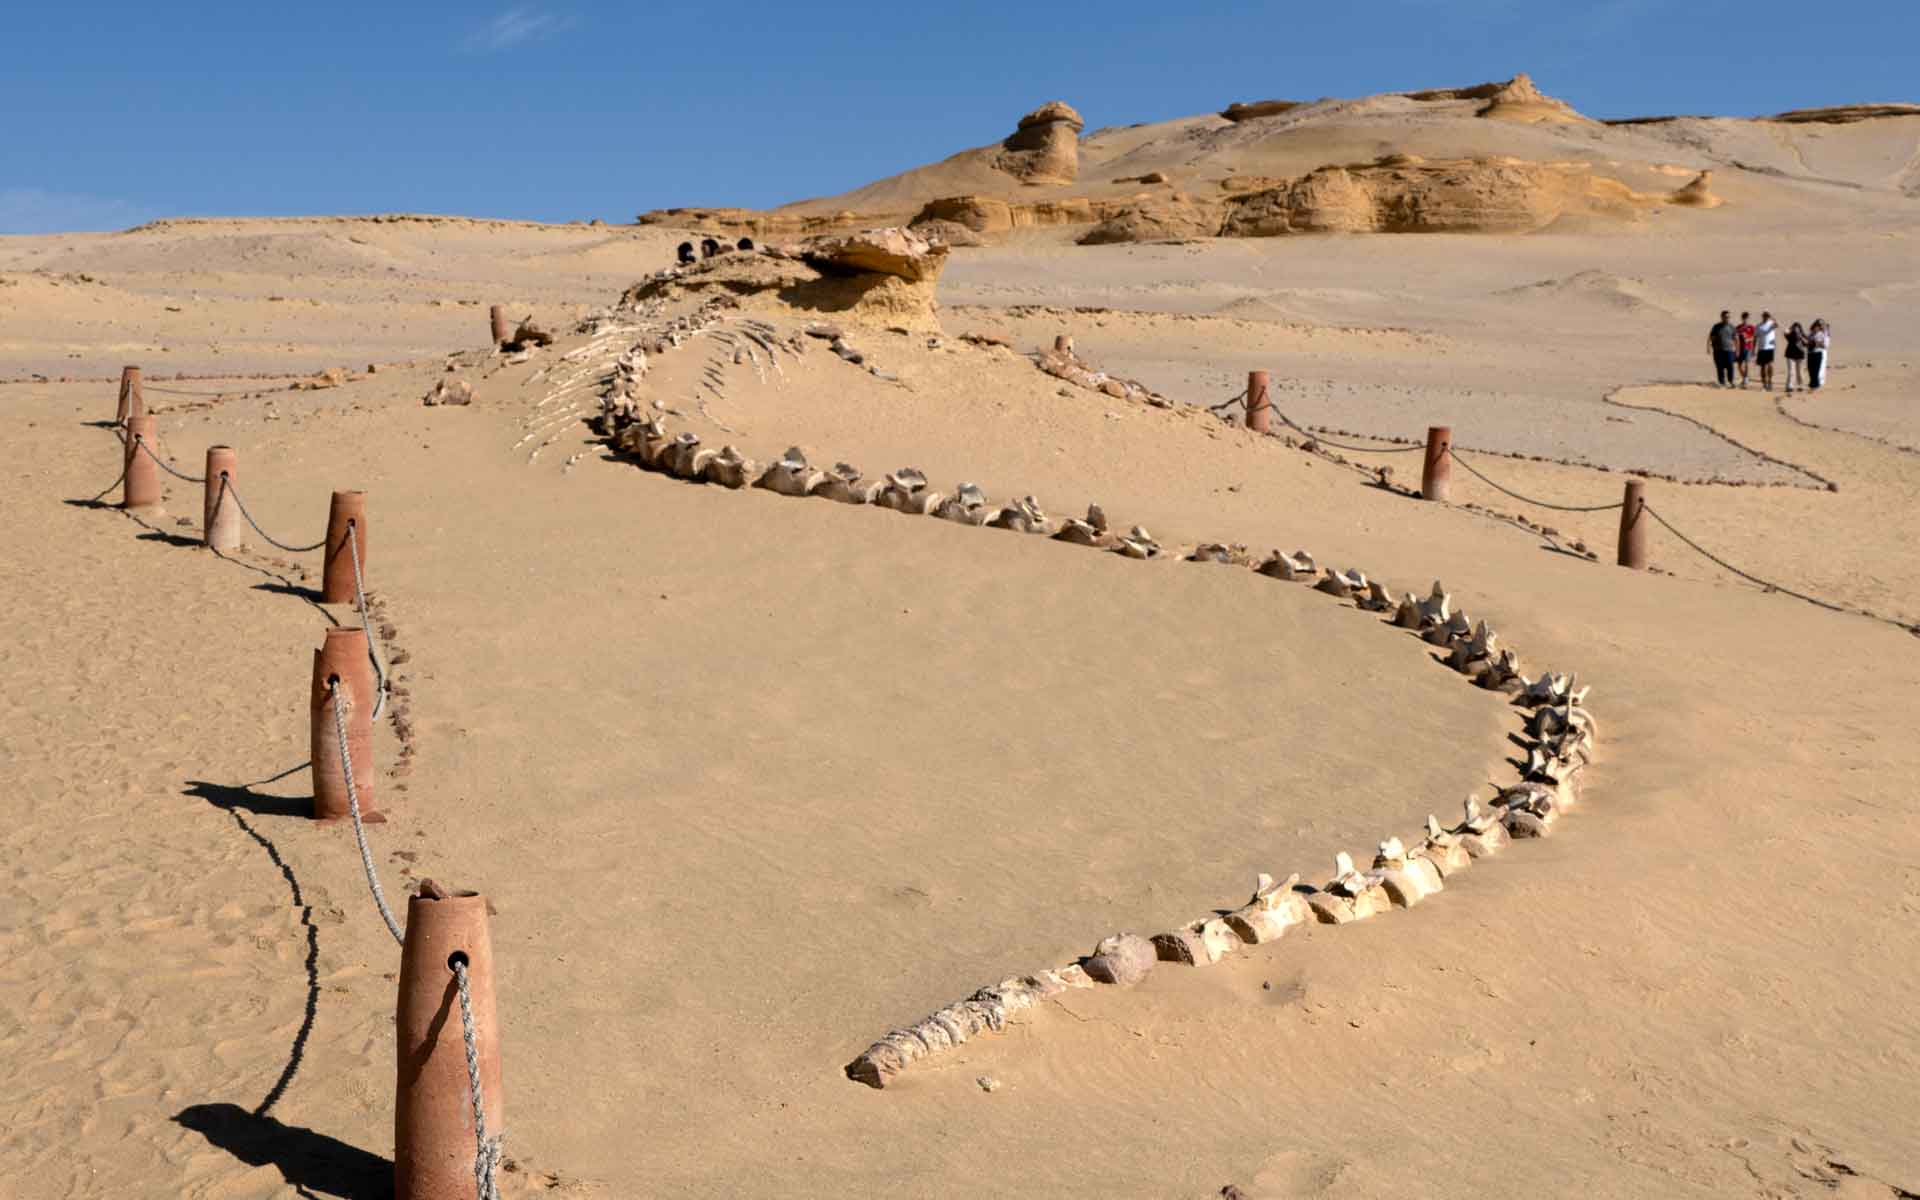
1765, 332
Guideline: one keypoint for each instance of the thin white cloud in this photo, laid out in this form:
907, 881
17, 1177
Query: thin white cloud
515, 27
32, 210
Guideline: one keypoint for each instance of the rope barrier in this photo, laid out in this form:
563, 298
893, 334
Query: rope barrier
366, 624
486, 1154
1722, 563
1578, 508
1325, 441
102, 494
226, 486
164, 466
353, 806
1224, 405
167, 391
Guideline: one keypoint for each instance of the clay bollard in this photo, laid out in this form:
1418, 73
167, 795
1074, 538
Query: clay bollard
433, 1134
220, 520
1436, 473
141, 487
342, 656
346, 513
1122, 960
132, 402
1259, 409
1633, 525
497, 318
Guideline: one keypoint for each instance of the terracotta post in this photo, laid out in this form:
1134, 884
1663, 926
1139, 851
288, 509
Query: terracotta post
132, 402
433, 1135
343, 656
1436, 474
142, 486
348, 510
1633, 525
220, 519
1062, 344
1259, 410
497, 315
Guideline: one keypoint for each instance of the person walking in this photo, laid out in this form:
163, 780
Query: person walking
1796, 357
1766, 332
1819, 338
1746, 334
1723, 341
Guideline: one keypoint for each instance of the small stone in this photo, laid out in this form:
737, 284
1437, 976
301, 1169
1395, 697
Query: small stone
1122, 960
988, 1083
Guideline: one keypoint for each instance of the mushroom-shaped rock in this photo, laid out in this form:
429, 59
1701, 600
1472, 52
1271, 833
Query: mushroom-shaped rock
1274, 908
1045, 147
1122, 960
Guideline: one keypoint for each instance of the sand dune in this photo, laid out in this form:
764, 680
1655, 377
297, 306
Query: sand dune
751, 779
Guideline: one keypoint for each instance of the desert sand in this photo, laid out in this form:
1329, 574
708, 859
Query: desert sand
750, 780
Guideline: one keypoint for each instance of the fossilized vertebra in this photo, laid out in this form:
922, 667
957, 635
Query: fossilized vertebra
1274, 908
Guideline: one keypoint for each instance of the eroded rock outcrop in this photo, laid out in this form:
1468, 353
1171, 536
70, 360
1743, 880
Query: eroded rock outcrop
876, 276
1157, 219
1257, 109
1404, 193
1698, 193
1045, 147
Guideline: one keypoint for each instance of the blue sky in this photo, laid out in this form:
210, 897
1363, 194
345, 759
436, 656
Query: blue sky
120, 112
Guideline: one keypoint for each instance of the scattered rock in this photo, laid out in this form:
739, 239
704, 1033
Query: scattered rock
1122, 960
449, 391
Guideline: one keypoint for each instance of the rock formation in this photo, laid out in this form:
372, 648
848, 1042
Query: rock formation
1045, 147
1519, 100
1259, 108
1404, 193
1698, 193
1157, 218
877, 276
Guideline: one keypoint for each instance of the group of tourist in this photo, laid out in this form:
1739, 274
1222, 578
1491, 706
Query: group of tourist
1738, 348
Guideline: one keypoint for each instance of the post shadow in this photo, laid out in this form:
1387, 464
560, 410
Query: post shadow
310, 1162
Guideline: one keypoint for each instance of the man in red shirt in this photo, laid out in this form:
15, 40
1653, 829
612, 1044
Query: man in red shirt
1747, 335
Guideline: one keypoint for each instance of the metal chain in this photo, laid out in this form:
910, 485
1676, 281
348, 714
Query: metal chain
366, 623
1529, 499
353, 806
486, 1155
185, 392
271, 540
1324, 441
164, 466
1224, 405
